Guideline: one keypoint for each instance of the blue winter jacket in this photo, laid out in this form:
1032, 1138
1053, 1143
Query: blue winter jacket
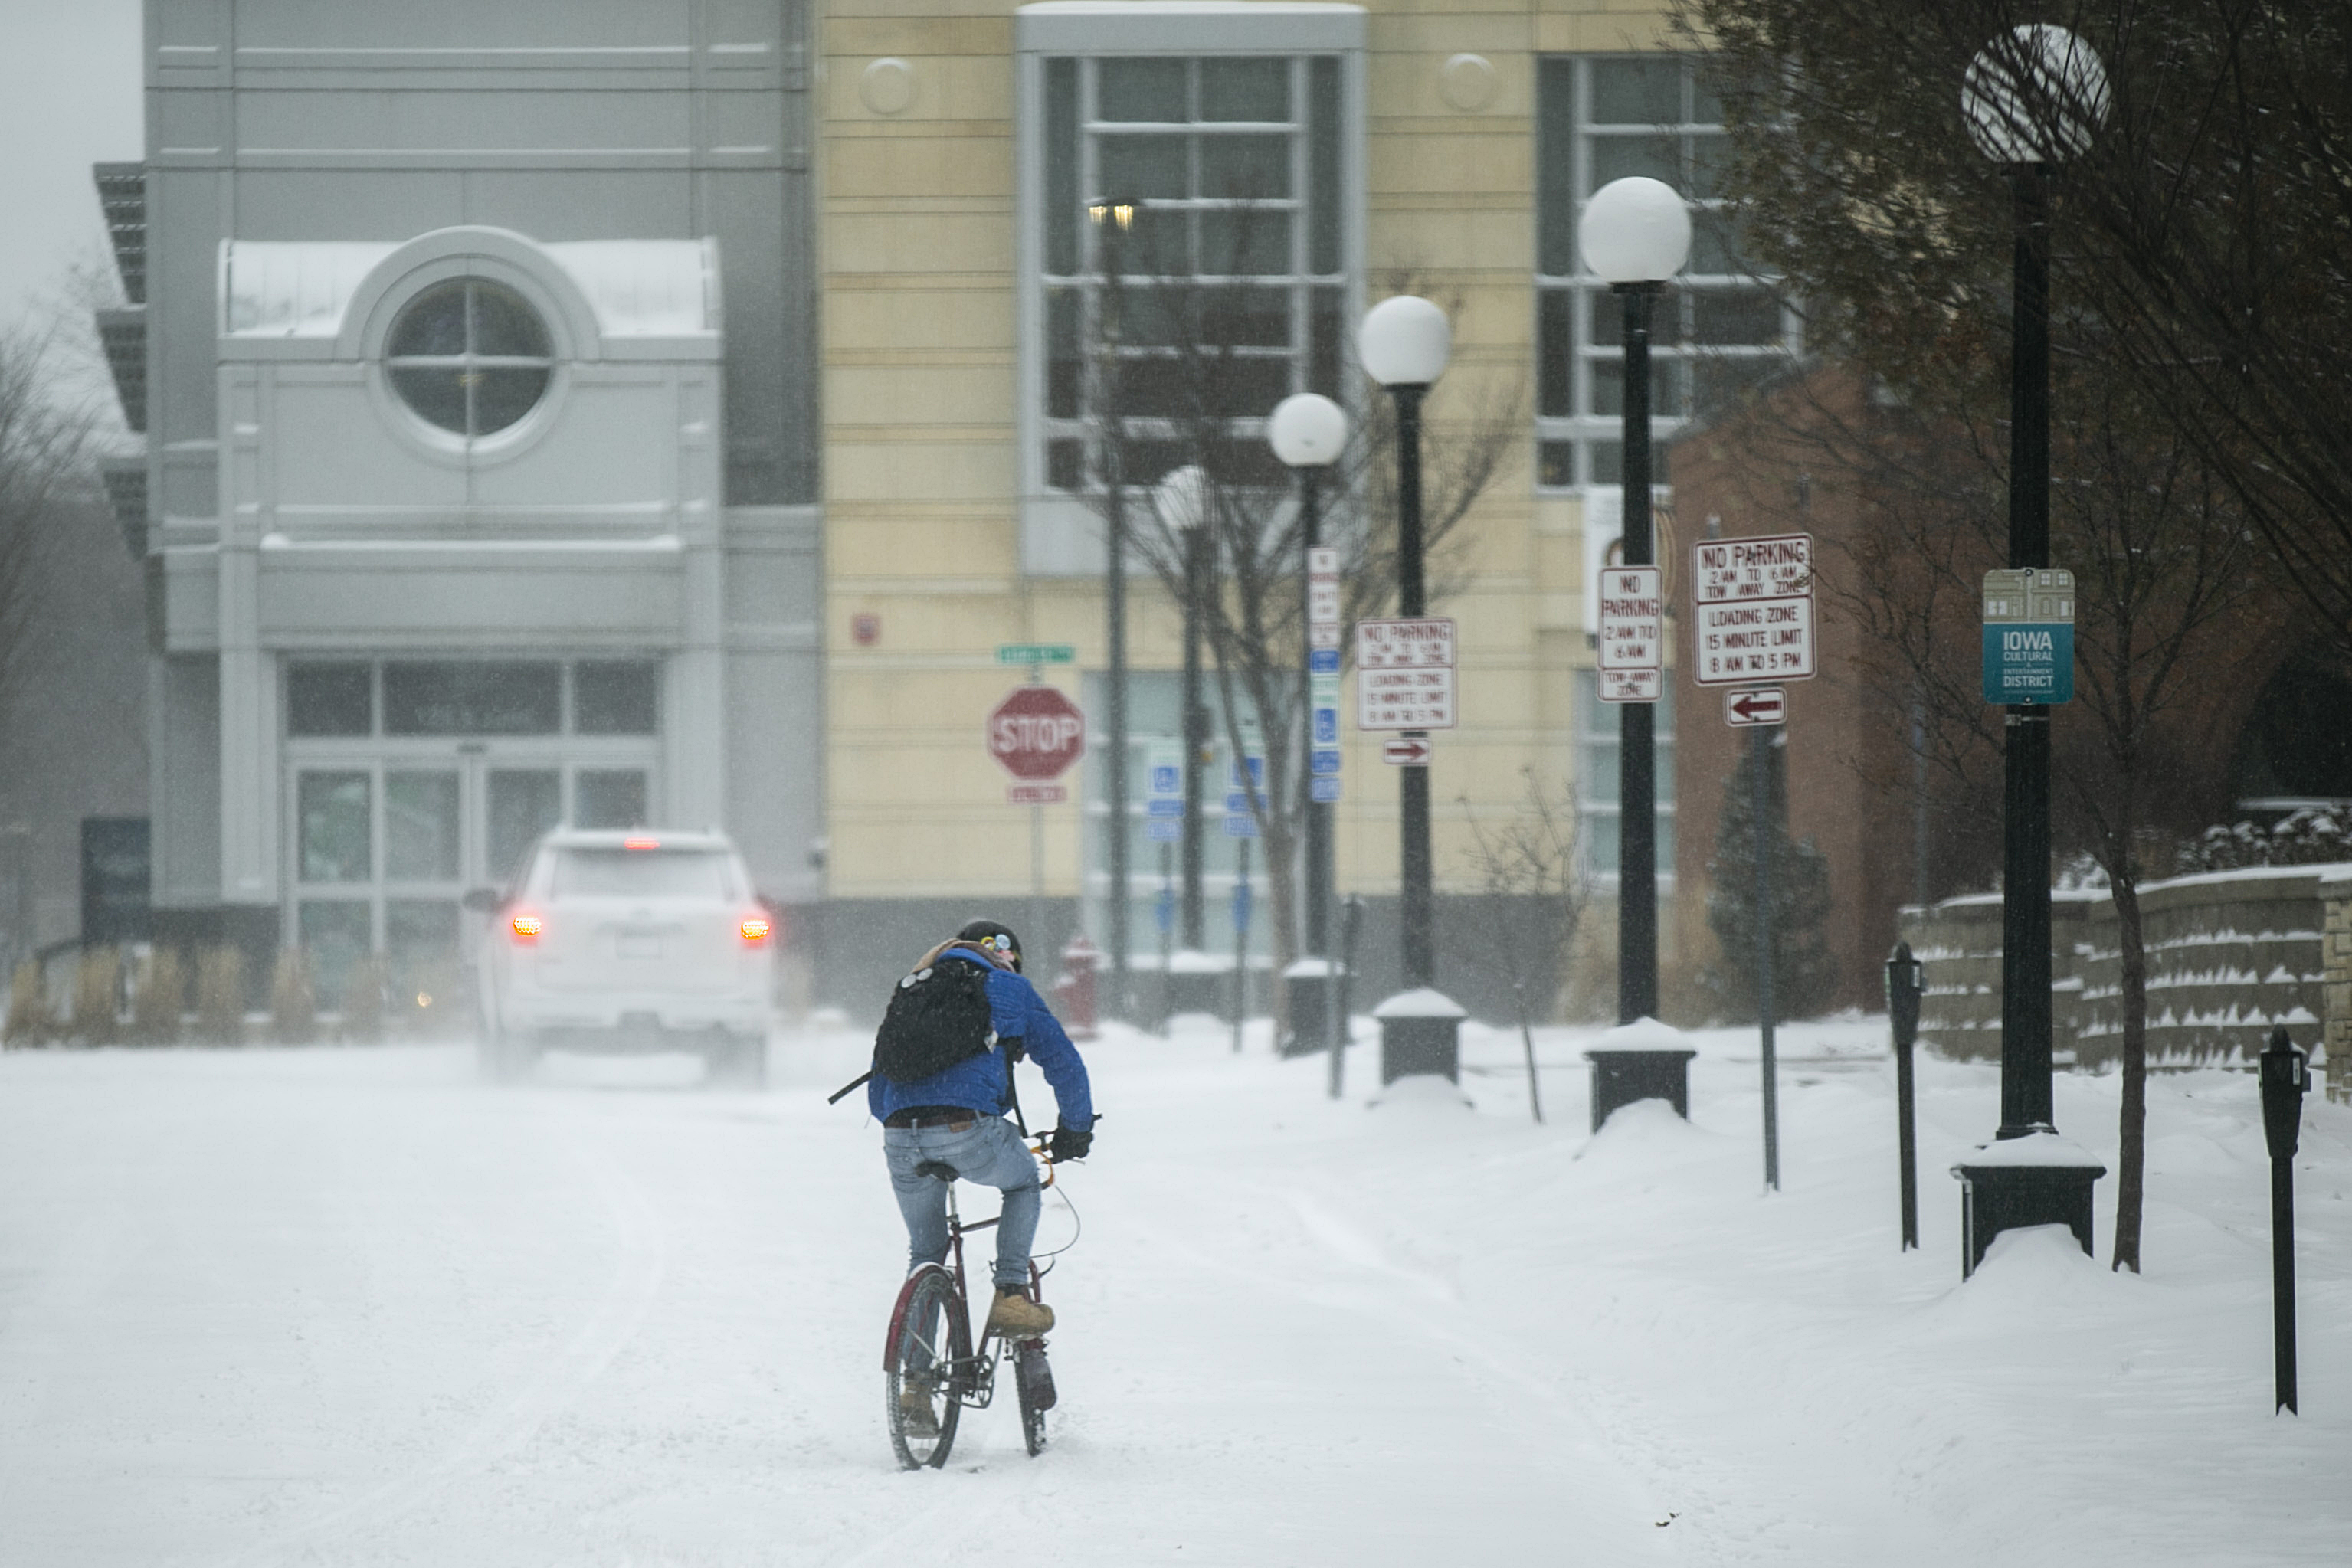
1020, 1014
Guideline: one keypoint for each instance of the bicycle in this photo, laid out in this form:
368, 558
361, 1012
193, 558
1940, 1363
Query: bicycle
928, 1352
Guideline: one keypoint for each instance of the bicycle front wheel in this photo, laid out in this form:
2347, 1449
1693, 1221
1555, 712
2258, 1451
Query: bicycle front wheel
1035, 1381
928, 1340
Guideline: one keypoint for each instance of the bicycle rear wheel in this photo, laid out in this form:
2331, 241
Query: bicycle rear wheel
928, 1340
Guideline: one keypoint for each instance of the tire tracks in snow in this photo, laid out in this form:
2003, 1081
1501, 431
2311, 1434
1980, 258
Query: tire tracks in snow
638, 1272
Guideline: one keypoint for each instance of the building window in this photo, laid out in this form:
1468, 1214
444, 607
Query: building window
1719, 327
1599, 807
1194, 255
469, 356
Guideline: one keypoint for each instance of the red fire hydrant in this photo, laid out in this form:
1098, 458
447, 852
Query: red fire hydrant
1074, 991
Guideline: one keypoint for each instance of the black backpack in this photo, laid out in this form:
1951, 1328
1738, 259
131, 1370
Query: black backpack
938, 1016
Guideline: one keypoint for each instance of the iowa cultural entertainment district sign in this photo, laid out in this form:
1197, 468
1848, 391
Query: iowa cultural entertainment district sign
2028, 636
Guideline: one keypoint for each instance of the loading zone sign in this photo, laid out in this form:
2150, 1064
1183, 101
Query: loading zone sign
1404, 675
1753, 609
2028, 636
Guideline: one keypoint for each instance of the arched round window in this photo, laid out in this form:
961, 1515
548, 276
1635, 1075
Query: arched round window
470, 356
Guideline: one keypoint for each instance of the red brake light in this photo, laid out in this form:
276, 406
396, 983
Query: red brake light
528, 927
755, 927
640, 843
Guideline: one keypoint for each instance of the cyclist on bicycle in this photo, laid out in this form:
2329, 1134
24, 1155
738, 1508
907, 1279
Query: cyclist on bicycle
956, 1118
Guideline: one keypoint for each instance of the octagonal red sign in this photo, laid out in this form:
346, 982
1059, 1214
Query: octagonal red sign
1036, 732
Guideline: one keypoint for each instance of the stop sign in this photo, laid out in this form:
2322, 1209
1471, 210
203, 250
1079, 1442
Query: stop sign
1036, 732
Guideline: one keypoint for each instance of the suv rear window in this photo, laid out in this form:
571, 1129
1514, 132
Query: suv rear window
640, 874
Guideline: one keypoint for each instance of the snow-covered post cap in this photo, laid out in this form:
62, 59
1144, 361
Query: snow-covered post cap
2035, 1150
1643, 1034
1424, 1003
1314, 969
1193, 961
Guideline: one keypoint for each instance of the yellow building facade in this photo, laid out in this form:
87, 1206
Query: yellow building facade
944, 535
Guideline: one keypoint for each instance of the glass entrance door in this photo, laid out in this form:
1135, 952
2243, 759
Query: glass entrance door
383, 848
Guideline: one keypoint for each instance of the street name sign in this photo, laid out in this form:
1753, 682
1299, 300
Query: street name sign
1404, 675
1036, 794
1632, 635
2028, 636
1757, 705
1752, 603
1035, 653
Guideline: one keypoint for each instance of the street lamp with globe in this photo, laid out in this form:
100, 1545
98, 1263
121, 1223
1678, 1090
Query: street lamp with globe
1404, 343
1635, 235
1182, 499
1309, 431
2031, 97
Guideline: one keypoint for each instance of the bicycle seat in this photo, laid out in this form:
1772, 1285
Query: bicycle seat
936, 1168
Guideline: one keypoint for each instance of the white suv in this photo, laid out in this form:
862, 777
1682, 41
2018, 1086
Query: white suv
628, 942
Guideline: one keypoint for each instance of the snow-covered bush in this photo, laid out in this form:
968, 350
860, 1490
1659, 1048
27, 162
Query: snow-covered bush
159, 997
220, 996
98, 986
2307, 837
30, 1022
293, 1005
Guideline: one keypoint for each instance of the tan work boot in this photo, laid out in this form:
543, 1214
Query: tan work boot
915, 1418
1016, 1316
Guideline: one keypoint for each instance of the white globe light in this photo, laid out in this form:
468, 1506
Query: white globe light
1307, 430
1405, 341
2035, 95
1181, 498
1635, 230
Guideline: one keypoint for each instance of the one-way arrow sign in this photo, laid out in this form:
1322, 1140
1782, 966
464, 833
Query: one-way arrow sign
1758, 704
1406, 751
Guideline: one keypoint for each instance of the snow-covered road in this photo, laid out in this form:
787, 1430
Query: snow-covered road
342, 1307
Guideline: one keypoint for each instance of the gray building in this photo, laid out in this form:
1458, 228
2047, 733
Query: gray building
473, 350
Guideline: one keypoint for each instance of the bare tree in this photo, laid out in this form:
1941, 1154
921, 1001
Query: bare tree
47, 445
1530, 902
1181, 373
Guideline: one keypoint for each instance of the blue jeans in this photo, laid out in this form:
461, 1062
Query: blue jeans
988, 1152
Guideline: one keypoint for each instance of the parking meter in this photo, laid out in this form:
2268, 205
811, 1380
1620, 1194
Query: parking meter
1906, 978
2285, 1075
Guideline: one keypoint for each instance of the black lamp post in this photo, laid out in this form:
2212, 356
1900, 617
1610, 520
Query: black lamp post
1182, 499
1308, 432
2032, 96
1404, 343
1636, 234
1112, 220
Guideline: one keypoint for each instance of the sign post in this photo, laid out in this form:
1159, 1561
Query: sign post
1035, 734
1754, 602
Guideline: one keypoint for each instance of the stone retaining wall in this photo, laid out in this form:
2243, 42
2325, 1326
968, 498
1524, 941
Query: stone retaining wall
2229, 954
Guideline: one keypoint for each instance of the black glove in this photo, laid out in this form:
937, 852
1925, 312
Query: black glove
1070, 1144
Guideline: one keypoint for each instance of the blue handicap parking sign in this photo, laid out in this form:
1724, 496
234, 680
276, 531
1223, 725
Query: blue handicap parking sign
1322, 761
1324, 790
1165, 781
1326, 726
1323, 661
